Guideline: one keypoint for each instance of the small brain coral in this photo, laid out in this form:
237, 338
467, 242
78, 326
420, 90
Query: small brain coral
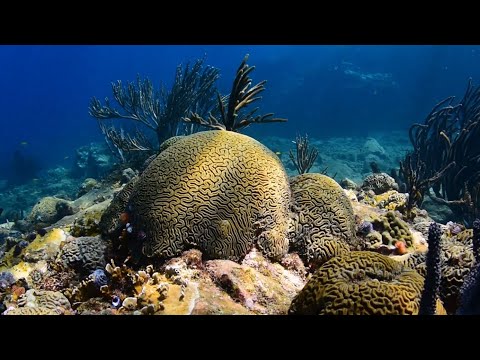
85, 254
360, 283
457, 262
217, 190
324, 223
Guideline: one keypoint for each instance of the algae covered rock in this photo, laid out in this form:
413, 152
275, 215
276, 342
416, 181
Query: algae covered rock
379, 183
324, 223
50, 209
360, 283
217, 190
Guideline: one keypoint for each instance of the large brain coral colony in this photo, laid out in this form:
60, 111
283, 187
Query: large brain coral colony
218, 190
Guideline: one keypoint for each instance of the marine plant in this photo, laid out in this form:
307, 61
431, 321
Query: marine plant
304, 156
233, 116
446, 156
158, 110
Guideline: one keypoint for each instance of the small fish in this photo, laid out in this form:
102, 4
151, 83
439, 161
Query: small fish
278, 153
66, 158
24, 143
34, 179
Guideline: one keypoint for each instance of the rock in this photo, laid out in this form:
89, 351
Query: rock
127, 175
371, 146
92, 161
86, 186
439, 212
262, 287
50, 209
348, 184
379, 183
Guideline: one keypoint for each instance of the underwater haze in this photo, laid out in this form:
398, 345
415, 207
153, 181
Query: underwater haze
325, 163
322, 90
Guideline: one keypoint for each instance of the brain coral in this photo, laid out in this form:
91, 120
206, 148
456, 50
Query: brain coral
218, 190
85, 254
31, 311
170, 141
324, 223
360, 283
53, 300
457, 262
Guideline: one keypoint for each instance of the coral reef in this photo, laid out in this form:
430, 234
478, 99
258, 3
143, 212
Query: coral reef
361, 283
217, 190
324, 223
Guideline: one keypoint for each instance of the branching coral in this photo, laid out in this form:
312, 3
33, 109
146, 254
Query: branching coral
305, 155
232, 116
158, 110
446, 156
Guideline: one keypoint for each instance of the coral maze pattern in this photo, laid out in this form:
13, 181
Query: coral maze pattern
360, 283
218, 190
457, 262
324, 221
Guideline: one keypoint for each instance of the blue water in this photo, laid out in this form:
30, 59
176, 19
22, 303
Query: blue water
323, 90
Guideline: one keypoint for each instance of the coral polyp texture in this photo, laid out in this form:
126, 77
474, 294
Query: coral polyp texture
360, 283
219, 191
324, 223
